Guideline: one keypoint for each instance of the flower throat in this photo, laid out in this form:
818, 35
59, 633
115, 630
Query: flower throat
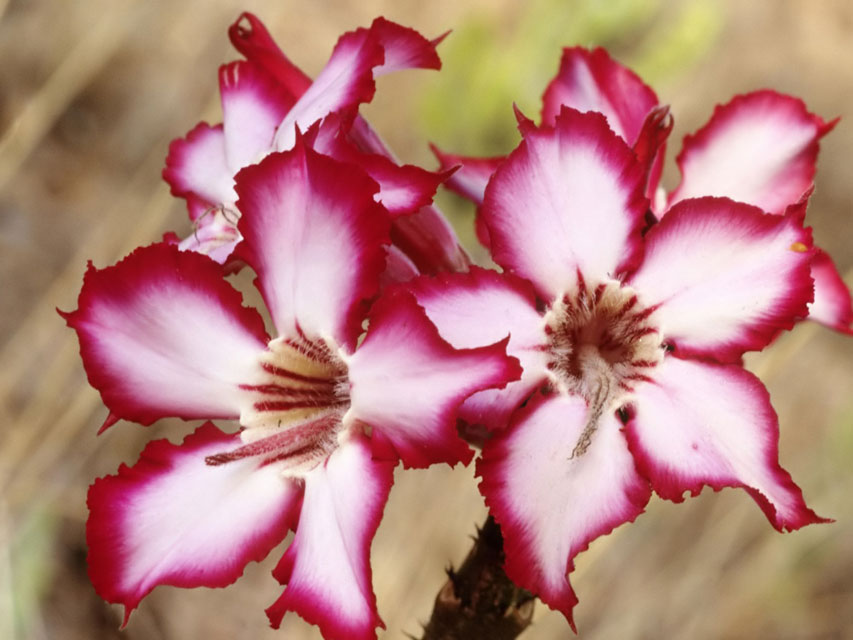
601, 343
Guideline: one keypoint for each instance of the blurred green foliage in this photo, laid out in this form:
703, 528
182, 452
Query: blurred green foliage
497, 59
31, 569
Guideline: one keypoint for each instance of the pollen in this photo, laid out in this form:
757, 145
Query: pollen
799, 247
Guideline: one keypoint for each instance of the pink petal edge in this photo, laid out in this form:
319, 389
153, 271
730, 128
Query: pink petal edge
410, 394
702, 423
569, 198
327, 568
758, 148
315, 236
551, 507
464, 306
235, 514
163, 334
724, 277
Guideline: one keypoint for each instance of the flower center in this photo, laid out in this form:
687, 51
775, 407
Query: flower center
297, 410
601, 343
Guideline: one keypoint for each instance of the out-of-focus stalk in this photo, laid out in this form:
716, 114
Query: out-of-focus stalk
479, 601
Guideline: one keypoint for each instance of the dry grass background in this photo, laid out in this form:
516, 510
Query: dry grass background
92, 91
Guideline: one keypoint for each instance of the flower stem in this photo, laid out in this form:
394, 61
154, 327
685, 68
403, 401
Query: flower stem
479, 601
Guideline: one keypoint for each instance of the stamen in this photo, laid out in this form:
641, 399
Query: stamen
297, 405
596, 410
292, 441
601, 343
291, 375
231, 216
321, 390
279, 405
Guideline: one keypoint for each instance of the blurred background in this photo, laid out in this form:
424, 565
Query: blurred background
91, 93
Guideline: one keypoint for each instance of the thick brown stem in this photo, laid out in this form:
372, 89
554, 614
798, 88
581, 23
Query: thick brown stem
479, 602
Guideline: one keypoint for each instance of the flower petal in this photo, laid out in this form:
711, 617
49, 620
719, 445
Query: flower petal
726, 277
471, 175
198, 210
314, 234
251, 38
568, 198
551, 503
163, 334
465, 309
345, 82
832, 305
407, 382
327, 567
419, 230
398, 268
423, 235
590, 80
215, 236
430, 242
173, 519
402, 189
403, 48
253, 105
197, 166
650, 149
700, 423
760, 148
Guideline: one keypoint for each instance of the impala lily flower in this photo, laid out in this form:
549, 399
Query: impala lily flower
760, 148
324, 412
265, 98
631, 346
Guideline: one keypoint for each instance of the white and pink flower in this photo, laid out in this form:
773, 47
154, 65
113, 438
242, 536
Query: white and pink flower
325, 411
266, 99
604, 363
631, 340
760, 148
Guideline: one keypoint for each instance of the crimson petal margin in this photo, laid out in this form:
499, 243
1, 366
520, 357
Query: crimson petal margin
327, 567
568, 198
403, 48
345, 82
430, 241
469, 179
398, 268
197, 166
759, 148
407, 382
832, 305
251, 38
551, 505
650, 149
172, 519
724, 277
590, 80
314, 235
700, 423
403, 189
472, 175
465, 308
163, 334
